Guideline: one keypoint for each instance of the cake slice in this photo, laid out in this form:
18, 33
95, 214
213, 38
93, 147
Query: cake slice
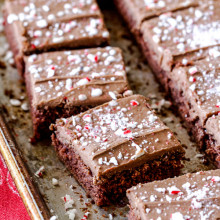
36, 26
192, 196
115, 146
65, 83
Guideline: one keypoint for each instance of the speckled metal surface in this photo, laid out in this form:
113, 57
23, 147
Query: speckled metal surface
42, 154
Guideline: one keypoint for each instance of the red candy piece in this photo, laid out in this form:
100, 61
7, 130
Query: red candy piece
175, 192
96, 58
33, 46
134, 103
127, 131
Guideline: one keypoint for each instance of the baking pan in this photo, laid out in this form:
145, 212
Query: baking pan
41, 197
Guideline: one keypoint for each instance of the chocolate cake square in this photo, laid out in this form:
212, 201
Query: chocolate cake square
65, 83
36, 26
182, 49
192, 196
115, 146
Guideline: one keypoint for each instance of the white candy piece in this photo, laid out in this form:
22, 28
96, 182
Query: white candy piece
113, 103
177, 215
114, 161
82, 82
11, 18
69, 84
112, 95
96, 92
82, 97
15, 102
37, 89
71, 213
152, 118
41, 23
25, 107
55, 182
193, 70
128, 93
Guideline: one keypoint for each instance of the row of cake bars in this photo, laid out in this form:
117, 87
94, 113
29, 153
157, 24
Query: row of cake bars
108, 148
180, 40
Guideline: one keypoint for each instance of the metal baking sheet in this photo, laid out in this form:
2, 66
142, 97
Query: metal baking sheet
18, 120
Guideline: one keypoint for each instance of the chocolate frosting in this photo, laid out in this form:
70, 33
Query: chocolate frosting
118, 135
176, 33
141, 10
79, 77
43, 25
192, 196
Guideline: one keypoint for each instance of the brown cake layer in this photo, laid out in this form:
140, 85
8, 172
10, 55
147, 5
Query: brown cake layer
191, 196
40, 26
114, 190
120, 143
167, 62
65, 83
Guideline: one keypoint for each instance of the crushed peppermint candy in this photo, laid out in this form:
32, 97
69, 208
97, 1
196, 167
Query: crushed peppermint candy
112, 95
83, 82
177, 215
85, 216
82, 97
39, 173
134, 103
25, 106
15, 102
193, 70
96, 92
128, 93
55, 182
71, 214
68, 201
41, 23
